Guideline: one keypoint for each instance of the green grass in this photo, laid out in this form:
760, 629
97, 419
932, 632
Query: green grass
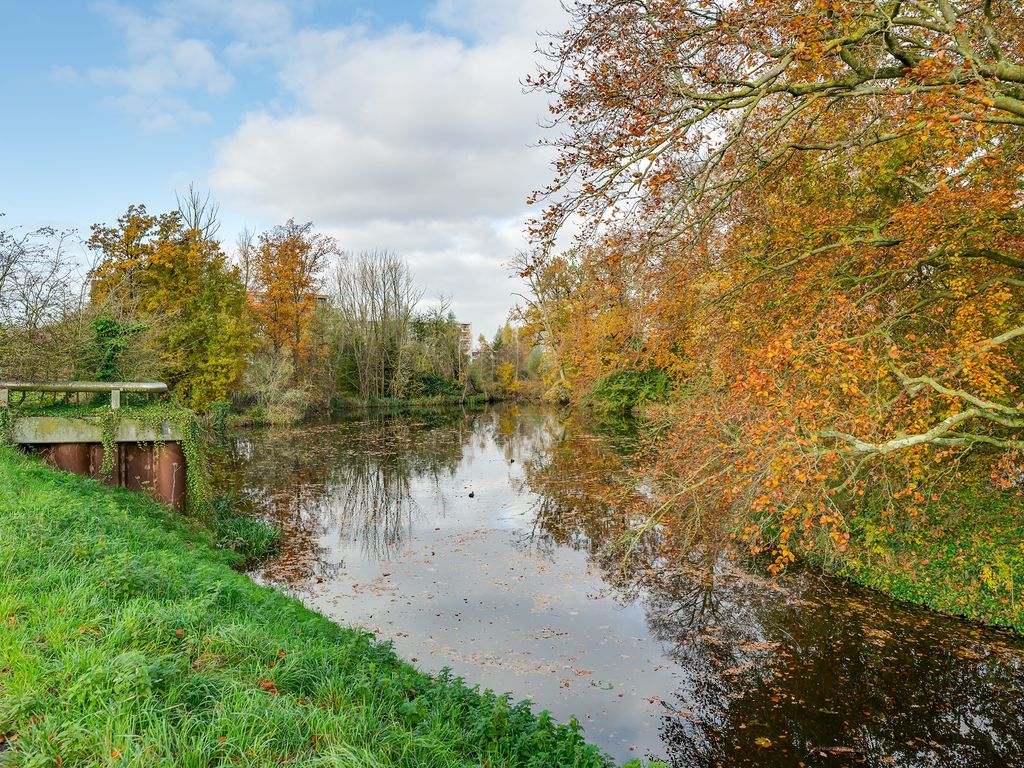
250, 537
966, 557
126, 638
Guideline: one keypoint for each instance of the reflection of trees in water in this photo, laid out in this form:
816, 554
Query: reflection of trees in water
582, 498
771, 675
279, 476
371, 493
355, 477
825, 670
371, 503
808, 671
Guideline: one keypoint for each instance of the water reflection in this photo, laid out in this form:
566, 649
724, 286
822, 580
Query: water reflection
521, 587
354, 478
810, 671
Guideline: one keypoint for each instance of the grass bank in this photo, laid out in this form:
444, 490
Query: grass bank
964, 557
126, 638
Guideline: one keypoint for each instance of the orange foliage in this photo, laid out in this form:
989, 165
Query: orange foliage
809, 214
288, 267
176, 281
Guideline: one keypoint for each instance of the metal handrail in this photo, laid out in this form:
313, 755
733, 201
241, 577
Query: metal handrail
115, 388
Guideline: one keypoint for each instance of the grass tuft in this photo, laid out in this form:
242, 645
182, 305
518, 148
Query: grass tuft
251, 537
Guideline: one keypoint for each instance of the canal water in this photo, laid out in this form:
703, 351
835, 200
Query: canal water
490, 543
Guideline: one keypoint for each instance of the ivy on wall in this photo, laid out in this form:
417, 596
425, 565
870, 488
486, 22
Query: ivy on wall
149, 418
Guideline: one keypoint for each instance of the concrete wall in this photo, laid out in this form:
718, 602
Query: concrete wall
145, 460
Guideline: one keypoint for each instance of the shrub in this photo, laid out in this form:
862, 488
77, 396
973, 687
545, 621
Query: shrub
623, 391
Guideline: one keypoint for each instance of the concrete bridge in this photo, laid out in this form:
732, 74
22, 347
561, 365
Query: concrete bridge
146, 458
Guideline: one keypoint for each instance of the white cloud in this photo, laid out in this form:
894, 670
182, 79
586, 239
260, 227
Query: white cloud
251, 21
164, 114
182, 65
162, 67
413, 140
63, 73
417, 139
463, 260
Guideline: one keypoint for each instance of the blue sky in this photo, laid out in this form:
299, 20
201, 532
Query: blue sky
390, 124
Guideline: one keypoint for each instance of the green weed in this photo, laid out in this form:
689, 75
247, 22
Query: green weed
623, 391
251, 537
964, 556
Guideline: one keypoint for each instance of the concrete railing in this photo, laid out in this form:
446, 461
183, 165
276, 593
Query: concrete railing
115, 388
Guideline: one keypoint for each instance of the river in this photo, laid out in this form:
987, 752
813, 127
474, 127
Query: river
485, 542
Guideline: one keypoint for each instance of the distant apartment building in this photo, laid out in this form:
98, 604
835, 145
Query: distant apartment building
465, 338
257, 297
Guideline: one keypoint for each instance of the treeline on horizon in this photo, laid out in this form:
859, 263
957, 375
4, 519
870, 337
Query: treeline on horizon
289, 326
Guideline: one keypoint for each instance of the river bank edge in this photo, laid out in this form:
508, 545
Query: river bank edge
244, 417
128, 636
961, 556
964, 558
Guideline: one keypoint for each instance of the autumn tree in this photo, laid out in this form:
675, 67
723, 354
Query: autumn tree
439, 350
286, 269
174, 279
245, 257
809, 213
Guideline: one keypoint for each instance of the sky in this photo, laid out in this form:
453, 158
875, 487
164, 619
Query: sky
393, 124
